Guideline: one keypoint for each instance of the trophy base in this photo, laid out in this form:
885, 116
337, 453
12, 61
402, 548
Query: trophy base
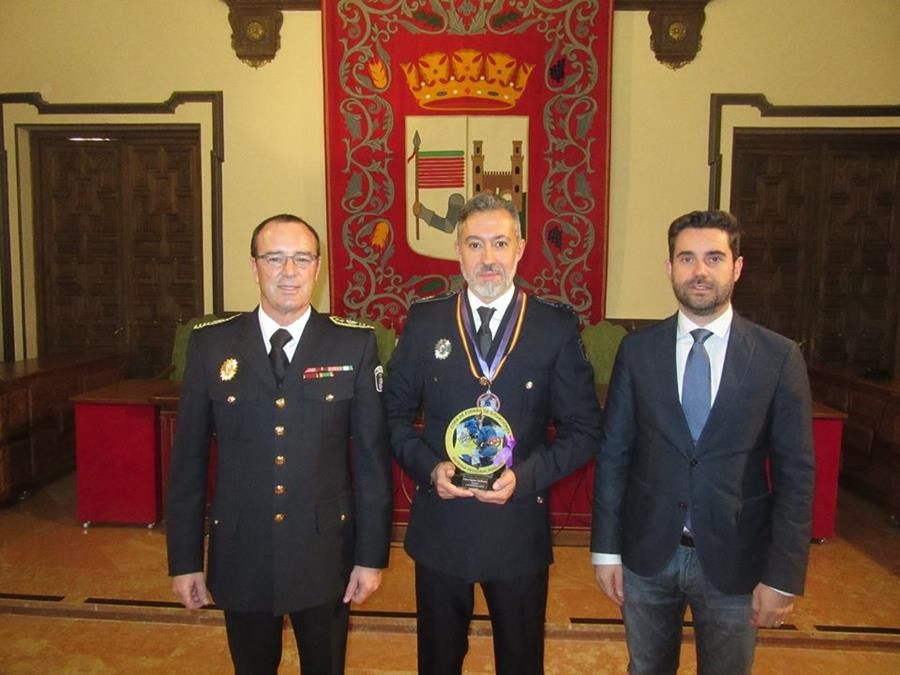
478, 481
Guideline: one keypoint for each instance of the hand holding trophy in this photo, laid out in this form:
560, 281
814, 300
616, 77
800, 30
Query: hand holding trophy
479, 442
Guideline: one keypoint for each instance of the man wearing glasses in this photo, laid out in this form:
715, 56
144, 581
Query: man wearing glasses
300, 521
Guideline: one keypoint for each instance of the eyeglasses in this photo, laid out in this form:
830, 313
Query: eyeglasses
277, 261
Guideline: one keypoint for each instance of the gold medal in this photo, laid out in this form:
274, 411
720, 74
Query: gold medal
228, 369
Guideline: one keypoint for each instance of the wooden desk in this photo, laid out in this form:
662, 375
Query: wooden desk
828, 425
36, 422
117, 452
570, 499
871, 441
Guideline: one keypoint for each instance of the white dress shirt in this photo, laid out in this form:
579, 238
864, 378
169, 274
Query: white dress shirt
268, 325
500, 304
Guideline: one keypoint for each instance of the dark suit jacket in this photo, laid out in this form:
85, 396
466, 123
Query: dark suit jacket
649, 472
547, 377
330, 522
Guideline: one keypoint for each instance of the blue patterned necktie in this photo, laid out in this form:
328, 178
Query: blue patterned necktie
277, 357
484, 331
695, 388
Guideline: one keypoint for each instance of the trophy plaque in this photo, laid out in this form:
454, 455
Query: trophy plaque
479, 442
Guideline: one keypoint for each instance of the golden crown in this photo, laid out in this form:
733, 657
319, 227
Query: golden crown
467, 80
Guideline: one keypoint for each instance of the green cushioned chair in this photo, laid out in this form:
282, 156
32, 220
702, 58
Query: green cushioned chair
180, 343
601, 342
385, 339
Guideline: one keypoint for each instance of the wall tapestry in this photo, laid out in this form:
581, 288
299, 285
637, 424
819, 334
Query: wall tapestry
430, 101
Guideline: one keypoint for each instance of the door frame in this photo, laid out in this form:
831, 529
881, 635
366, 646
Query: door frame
85, 112
727, 111
730, 111
30, 253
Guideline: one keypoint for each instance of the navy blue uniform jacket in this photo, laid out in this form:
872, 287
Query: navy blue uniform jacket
281, 451
546, 378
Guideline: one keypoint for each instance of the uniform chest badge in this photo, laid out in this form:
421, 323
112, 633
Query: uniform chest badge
228, 369
442, 349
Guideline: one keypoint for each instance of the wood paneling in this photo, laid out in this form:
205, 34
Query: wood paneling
871, 442
36, 420
821, 219
118, 243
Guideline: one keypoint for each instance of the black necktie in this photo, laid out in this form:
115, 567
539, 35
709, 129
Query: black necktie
695, 387
484, 330
277, 357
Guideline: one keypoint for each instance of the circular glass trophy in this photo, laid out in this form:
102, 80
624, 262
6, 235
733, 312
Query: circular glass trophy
479, 442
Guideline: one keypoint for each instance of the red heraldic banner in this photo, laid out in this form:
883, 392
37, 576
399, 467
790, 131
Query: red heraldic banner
430, 102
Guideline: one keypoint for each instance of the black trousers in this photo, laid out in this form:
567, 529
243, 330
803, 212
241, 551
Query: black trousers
254, 639
444, 610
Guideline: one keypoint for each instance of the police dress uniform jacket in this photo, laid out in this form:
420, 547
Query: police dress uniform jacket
295, 505
546, 378
649, 472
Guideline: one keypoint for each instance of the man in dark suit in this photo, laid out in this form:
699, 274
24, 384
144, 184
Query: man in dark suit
704, 482
298, 526
531, 370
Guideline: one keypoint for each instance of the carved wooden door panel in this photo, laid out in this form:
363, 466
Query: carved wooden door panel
773, 193
856, 312
117, 243
78, 258
822, 240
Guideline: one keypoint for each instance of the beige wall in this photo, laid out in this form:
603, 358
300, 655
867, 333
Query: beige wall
796, 52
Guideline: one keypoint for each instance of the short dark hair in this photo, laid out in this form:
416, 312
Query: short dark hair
488, 201
281, 218
719, 220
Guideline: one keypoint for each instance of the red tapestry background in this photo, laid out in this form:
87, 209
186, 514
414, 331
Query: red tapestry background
430, 101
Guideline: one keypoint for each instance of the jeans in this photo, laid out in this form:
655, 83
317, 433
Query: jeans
654, 614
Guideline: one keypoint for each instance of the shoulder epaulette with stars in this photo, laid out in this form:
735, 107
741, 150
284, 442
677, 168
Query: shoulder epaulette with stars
555, 303
439, 296
349, 323
213, 322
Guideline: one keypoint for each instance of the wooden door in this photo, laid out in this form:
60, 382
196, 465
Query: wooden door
821, 240
858, 290
118, 248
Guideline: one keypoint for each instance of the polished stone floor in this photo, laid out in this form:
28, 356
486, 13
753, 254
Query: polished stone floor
98, 601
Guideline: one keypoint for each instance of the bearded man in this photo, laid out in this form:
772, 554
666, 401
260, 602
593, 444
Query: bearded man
489, 361
704, 483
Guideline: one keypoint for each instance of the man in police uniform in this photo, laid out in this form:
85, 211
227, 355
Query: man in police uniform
533, 372
290, 531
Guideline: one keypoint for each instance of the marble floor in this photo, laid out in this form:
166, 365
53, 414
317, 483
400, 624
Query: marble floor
98, 601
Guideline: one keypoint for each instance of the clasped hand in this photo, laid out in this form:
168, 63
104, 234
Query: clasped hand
500, 492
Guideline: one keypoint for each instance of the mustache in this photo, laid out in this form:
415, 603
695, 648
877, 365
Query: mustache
492, 268
698, 280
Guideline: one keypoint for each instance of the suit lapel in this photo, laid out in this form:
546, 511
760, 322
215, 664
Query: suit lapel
309, 346
253, 348
735, 370
667, 379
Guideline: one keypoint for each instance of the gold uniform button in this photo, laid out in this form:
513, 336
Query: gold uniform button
279, 430
280, 402
279, 518
540, 500
529, 384
329, 397
279, 489
231, 399
343, 517
279, 460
